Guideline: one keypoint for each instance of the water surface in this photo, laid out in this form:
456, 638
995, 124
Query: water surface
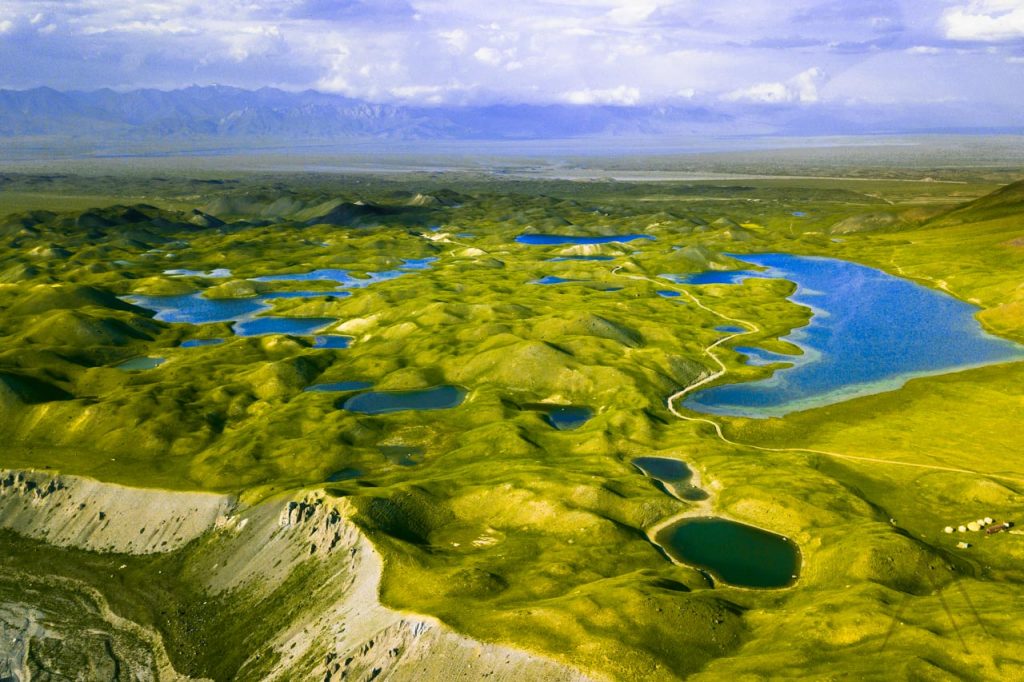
554, 279
140, 364
383, 402
296, 326
200, 343
870, 332
735, 553
759, 357
565, 239
219, 273
343, 475
331, 341
715, 276
671, 473
341, 386
568, 417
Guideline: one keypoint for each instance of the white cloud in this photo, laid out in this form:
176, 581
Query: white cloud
488, 55
632, 12
622, 95
480, 51
802, 88
985, 20
456, 39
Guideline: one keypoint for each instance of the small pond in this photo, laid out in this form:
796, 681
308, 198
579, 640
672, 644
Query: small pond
402, 455
346, 279
296, 326
552, 279
219, 273
200, 343
563, 239
341, 386
331, 341
383, 402
140, 364
346, 474
562, 417
671, 473
732, 552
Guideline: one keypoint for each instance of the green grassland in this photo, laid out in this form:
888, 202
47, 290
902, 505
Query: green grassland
509, 530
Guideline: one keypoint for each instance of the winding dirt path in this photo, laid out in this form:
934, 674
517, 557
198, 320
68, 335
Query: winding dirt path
722, 370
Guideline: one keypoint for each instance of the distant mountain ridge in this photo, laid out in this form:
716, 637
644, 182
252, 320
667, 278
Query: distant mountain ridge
220, 111
223, 113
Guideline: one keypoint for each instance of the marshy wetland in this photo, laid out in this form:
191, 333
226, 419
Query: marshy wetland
329, 370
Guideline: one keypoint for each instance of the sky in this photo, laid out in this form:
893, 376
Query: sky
796, 53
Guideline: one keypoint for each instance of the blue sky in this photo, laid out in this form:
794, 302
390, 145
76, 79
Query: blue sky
797, 53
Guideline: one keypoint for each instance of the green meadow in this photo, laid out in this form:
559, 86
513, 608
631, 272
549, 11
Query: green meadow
489, 519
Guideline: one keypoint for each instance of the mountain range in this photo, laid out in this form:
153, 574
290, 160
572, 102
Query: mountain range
228, 113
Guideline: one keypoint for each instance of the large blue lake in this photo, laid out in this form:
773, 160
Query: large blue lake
870, 332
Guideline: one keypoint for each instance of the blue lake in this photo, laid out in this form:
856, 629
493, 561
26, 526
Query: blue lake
760, 356
296, 326
199, 343
383, 402
344, 278
563, 417
552, 279
670, 473
715, 276
219, 273
569, 417
331, 341
564, 239
870, 332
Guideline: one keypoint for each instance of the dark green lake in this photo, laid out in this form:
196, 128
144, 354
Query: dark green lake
383, 402
734, 553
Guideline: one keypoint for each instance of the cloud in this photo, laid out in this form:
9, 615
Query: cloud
456, 39
488, 55
622, 52
985, 21
802, 89
622, 95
